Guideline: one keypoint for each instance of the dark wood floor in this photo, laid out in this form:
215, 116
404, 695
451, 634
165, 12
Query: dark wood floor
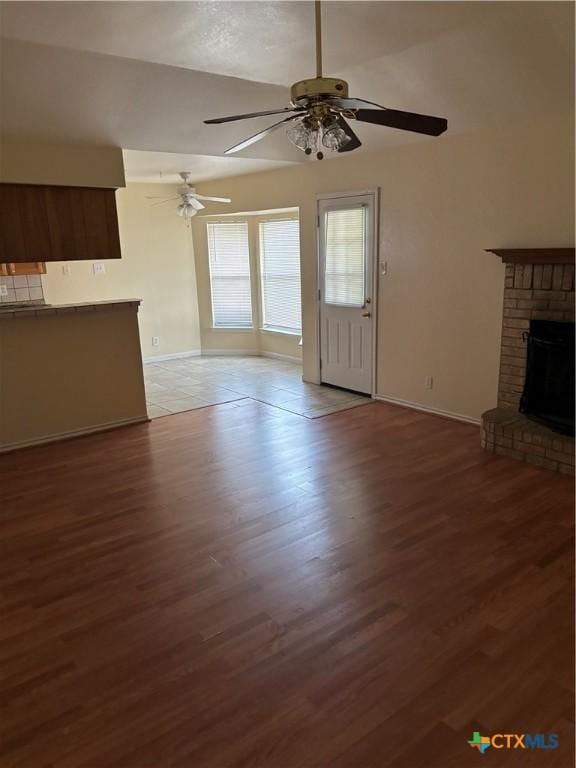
240, 586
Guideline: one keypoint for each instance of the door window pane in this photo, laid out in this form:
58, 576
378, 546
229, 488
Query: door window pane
345, 256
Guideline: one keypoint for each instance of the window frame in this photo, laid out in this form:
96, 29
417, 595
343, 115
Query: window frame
253, 308
262, 326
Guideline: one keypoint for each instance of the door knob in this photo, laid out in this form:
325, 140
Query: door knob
366, 314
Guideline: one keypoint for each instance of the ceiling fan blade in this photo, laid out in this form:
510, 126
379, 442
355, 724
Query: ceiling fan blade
168, 200
217, 120
213, 199
257, 136
194, 203
354, 142
369, 112
353, 104
404, 121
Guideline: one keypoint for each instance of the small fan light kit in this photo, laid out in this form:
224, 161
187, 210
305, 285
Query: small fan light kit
320, 108
189, 199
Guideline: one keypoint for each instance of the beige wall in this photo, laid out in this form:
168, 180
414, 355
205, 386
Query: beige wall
219, 340
442, 203
64, 374
157, 266
67, 164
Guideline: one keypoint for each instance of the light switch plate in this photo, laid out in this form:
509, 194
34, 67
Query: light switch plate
3, 290
66, 270
99, 269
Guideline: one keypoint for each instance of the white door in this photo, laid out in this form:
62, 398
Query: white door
346, 258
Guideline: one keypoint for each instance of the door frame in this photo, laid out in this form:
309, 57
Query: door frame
375, 193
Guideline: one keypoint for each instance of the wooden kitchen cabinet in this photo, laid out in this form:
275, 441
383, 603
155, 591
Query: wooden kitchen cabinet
23, 268
54, 223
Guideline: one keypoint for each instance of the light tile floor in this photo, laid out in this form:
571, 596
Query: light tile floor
184, 384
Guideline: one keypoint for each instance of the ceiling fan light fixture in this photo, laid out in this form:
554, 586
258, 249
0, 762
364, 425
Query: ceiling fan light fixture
313, 137
186, 210
303, 136
334, 137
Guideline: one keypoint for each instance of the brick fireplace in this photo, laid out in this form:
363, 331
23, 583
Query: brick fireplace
539, 286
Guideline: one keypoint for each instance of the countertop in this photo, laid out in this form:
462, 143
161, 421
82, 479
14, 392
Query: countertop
40, 310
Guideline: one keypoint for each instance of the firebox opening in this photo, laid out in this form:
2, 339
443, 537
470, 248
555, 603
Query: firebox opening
548, 395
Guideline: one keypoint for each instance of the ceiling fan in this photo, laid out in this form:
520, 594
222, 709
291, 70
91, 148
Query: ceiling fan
319, 110
189, 199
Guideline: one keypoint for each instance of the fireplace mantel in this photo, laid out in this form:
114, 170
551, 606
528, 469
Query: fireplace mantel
535, 255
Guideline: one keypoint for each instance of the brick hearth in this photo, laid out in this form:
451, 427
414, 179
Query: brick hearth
513, 434
533, 291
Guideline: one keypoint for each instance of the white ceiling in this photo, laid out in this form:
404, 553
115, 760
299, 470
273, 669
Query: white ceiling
165, 167
144, 76
261, 41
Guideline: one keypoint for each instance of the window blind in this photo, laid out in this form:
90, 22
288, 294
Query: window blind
345, 256
229, 259
280, 274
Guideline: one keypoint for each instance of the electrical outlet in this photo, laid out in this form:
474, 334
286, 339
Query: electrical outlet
66, 270
428, 382
99, 268
155, 341
3, 290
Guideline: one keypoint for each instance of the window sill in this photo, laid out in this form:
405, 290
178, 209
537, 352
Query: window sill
232, 328
282, 331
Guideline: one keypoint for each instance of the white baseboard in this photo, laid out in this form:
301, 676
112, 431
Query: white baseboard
278, 356
231, 352
72, 433
427, 409
220, 353
173, 356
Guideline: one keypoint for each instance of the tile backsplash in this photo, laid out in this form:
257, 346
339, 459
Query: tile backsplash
23, 288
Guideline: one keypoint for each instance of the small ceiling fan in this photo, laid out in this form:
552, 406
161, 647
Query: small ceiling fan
189, 199
320, 108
